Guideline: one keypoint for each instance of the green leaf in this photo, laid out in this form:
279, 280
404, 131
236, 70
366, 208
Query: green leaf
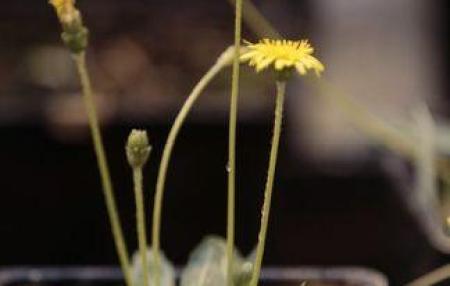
207, 265
244, 275
167, 270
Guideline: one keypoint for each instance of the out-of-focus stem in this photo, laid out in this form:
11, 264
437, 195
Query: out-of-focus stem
369, 124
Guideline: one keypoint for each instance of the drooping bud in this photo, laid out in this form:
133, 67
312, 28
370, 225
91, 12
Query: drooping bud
137, 148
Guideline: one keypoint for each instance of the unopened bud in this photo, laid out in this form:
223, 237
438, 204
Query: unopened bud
137, 148
77, 41
75, 34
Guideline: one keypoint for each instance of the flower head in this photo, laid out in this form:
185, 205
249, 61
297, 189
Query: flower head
283, 54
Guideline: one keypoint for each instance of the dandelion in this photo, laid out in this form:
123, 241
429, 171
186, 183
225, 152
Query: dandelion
284, 55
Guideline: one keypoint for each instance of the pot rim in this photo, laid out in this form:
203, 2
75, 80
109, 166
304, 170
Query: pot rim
365, 276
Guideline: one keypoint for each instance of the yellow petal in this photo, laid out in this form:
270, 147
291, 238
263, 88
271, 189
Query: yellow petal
263, 64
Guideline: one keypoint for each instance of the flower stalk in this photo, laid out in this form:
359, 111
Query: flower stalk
113, 214
75, 37
223, 61
138, 150
231, 168
281, 89
284, 57
140, 220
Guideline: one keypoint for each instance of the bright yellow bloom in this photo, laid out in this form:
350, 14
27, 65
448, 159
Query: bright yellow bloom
283, 54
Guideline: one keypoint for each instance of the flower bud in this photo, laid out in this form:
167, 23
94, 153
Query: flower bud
76, 41
137, 148
75, 34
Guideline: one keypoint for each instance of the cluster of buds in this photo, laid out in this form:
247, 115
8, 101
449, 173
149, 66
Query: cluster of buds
75, 34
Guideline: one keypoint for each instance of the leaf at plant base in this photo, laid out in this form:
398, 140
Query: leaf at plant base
244, 274
207, 265
167, 269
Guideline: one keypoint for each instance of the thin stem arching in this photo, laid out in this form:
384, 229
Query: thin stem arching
223, 61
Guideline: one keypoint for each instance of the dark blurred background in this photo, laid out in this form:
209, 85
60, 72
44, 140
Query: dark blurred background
334, 201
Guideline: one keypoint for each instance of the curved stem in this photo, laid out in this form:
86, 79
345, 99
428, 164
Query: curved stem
222, 62
80, 61
281, 88
231, 168
140, 219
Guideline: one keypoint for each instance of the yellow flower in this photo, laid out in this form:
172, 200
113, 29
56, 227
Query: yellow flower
283, 54
65, 9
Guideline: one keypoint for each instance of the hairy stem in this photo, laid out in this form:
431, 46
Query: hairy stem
223, 61
80, 61
281, 88
140, 221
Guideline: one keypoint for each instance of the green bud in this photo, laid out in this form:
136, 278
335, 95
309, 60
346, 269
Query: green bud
137, 148
76, 40
75, 34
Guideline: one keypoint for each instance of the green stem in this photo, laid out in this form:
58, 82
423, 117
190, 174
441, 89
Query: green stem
231, 168
222, 62
281, 88
80, 61
140, 219
256, 21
